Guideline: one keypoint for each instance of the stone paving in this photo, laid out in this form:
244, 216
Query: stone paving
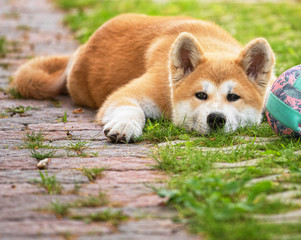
33, 28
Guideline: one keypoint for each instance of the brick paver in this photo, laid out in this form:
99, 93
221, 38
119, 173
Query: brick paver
33, 28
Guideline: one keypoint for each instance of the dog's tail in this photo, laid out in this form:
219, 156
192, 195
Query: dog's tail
42, 77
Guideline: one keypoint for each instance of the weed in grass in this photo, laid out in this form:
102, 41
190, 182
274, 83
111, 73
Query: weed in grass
63, 118
40, 155
14, 93
33, 145
75, 189
14, 46
4, 65
83, 155
70, 154
50, 183
3, 115
35, 140
113, 217
92, 173
59, 209
62, 210
91, 201
37, 145
7, 46
19, 109
3, 47
67, 235
94, 154
78, 146
56, 103
11, 15
34, 136
23, 28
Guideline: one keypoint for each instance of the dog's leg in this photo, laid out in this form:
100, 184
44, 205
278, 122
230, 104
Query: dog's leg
125, 111
123, 123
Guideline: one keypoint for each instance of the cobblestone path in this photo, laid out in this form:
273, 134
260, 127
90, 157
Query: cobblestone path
32, 28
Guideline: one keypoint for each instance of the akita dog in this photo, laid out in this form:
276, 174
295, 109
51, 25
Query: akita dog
136, 67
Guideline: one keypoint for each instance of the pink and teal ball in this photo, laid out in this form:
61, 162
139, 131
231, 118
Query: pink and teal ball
284, 103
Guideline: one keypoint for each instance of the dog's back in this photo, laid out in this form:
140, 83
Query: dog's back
123, 48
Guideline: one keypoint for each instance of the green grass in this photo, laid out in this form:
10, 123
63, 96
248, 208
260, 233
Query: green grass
8, 47
19, 109
218, 203
79, 4
221, 208
60, 210
35, 140
162, 130
63, 209
277, 22
34, 136
50, 183
91, 201
221, 202
63, 118
23, 27
3, 47
11, 15
275, 207
5, 66
3, 115
40, 155
78, 146
14, 93
56, 103
92, 173
109, 216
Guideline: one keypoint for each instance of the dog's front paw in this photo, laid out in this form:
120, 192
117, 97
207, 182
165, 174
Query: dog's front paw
122, 131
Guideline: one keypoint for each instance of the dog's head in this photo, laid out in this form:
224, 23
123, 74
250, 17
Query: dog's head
224, 91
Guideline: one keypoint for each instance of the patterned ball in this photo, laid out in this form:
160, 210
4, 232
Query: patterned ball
284, 103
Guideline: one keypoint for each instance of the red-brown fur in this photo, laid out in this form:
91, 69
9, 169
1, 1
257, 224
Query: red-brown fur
130, 57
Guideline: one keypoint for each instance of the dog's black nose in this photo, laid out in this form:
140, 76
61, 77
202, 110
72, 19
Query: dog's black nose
216, 121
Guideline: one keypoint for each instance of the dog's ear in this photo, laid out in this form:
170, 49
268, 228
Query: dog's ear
185, 55
257, 60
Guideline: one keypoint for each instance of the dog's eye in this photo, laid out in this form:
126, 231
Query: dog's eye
201, 95
232, 97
